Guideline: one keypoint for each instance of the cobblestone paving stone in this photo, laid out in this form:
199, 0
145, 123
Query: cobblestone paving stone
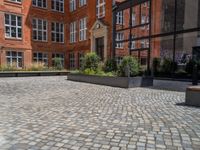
51, 113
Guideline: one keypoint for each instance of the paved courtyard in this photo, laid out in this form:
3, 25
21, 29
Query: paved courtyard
50, 113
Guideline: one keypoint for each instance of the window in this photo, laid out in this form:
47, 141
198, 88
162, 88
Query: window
39, 30
40, 3
60, 56
133, 19
40, 58
120, 17
14, 59
71, 61
73, 32
83, 29
118, 60
18, 1
80, 59
57, 32
13, 26
57, 5
100, 8
119, 37
72, 5
82, 2
133, 42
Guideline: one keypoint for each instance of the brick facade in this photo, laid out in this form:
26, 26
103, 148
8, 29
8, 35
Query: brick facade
96, 28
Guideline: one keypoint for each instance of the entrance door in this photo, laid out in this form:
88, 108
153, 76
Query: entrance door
100, 47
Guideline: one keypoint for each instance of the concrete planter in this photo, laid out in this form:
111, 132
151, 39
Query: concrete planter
122, 82
33, 73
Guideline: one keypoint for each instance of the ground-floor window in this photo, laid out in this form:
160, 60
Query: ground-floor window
80, 59
39, 57
143, 61
71, 60
60, 56
14, 59
118, 60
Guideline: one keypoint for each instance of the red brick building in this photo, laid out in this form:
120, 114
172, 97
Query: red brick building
38, 30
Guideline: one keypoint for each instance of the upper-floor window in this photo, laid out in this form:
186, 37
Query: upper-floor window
72, 5
39, 3
133, 42
73, 32
82, 2
13, 26
57, 32
120, 37
57, 5
83, 29
18, 1
119, 18
101, 8
133, 19
39, 30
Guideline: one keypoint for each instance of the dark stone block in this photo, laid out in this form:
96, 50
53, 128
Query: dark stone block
122, 82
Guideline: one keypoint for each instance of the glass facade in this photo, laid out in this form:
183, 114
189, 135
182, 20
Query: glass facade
165, 29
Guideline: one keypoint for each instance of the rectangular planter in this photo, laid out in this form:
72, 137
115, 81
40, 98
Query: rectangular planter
33, 73
122, 82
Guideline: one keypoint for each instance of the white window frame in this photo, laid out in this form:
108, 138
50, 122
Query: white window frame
54, 32
35, 3
120, 37
101, 8
83, 29
61, 4
72, 5
59, 55
120, 18
16, 1
17, 57
37, 30
17, 27
82, 3
44, 58
133, 42
73, 32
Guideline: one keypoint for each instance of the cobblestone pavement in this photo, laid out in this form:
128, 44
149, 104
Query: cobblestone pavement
50, 113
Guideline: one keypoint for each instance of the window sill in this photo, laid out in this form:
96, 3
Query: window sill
18, 4
13, 39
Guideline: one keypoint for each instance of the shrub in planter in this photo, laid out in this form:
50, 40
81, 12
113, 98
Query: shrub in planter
131, 63
168, 66
110, 65
156, 65
58, 63
91, 61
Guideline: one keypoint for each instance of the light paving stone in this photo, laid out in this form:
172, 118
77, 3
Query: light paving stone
53, 113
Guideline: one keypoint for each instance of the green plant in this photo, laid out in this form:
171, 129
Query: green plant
131, 63
168, 66
91, 61
156, 65
58, 63
89, 71
40, 66
110, 65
